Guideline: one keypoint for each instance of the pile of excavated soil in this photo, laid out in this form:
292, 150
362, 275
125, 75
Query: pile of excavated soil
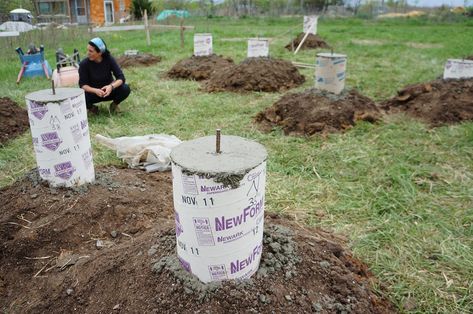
140, 59
256, 74
311, 42
437, 103
110, 247
314, 111
199, 68
13, 120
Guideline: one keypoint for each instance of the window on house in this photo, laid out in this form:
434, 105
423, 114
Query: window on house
52, 8
60, 8
45, 8
80, 7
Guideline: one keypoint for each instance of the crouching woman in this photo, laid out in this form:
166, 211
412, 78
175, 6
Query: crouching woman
95, 77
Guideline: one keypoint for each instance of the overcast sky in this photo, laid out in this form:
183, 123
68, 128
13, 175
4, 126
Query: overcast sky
436, 3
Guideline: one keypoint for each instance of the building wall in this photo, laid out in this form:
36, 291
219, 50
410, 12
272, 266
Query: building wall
97, 10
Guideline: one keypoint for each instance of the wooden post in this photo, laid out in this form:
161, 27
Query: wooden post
182, 32
292, 43
69, 11
302, 42
304, 38
148, 39
217, 143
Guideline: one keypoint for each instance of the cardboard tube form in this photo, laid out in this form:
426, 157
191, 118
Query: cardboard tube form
219, 206
330, 72
60, 133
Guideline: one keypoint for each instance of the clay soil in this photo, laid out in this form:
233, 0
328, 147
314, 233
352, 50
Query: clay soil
314, 111
141, 59
199, 68
256, 74
440, 102
110, 248
13, 120
311, 42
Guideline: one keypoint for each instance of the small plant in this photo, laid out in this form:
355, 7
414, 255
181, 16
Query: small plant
138, 8
469, 11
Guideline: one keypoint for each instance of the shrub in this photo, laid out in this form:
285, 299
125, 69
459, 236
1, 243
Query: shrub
138, 8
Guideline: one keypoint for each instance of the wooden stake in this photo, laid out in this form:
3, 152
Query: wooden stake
305, 37
218, 142
302, 42
182, 33
303, 65
148, 39
292, 44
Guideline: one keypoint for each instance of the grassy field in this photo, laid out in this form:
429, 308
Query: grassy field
401, 193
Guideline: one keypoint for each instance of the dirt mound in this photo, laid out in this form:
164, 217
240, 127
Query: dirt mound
314, 111
13, 120
437, 103
199, 68
111, 246
311, 42
256, 74
141, 59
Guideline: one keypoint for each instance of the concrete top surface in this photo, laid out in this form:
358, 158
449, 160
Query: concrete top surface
461, 61
46, 95
238, 155
331, 55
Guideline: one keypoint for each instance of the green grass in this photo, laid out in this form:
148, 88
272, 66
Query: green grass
401, 192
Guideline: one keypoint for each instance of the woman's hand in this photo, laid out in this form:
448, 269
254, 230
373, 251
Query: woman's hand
99, 92
107, 89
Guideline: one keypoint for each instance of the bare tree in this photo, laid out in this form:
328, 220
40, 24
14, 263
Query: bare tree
356, 6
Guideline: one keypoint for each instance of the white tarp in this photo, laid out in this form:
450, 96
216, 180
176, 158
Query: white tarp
16, 27
149, 152
20, 11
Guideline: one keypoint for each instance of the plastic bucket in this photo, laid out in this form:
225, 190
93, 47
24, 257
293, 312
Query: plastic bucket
66, 76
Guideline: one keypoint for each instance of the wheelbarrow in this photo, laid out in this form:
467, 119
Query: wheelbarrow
33, 63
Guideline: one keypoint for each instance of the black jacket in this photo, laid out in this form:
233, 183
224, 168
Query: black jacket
98, 75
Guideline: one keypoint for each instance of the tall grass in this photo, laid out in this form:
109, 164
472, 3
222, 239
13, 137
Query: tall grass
401, 192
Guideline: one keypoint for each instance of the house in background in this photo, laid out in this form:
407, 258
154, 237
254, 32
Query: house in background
97, 12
